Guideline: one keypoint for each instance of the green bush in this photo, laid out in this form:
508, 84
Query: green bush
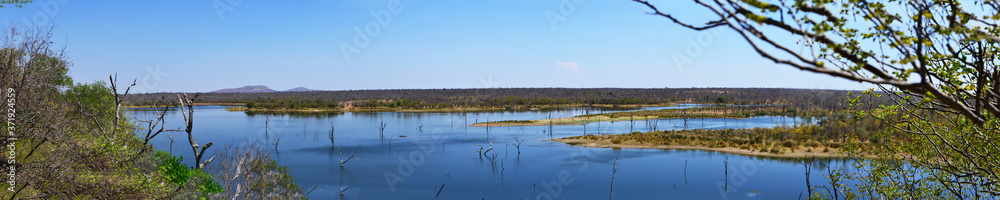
179, 173
204, 182
171, 167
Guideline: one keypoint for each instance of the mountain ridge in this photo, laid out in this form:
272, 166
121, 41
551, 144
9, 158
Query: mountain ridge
259, 89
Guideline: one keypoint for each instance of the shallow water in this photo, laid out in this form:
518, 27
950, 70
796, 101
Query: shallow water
443, 152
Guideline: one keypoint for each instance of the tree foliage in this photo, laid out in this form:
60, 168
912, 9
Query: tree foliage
73, 141
247, 171
935, 58
17, 3
180, 174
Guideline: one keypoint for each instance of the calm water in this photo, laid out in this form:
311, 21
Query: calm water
444, 153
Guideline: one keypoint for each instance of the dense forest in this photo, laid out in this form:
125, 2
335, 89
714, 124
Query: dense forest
515, 97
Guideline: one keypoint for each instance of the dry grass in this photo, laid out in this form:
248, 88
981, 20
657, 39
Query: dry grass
757, 141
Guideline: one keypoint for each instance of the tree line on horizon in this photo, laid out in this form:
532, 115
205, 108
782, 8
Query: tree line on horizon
517, 97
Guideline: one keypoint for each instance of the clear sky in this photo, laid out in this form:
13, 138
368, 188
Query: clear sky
200, 46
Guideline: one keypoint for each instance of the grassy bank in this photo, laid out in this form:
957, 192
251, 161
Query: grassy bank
772, 142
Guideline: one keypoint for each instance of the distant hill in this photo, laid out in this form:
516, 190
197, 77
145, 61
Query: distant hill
246, 89
300, 89
260, 88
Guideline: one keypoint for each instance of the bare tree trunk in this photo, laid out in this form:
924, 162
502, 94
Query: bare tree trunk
118, 100
614, 170
189, 122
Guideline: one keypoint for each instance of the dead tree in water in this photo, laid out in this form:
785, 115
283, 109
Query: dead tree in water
550, 129
599, 126
807, 164
189, 123
631, 123
487, 150
343, 189
518, 145
614, 170
276, 144
381, 128
439, 191
342, 161
686, 117
725, 164
550, 125
480, 151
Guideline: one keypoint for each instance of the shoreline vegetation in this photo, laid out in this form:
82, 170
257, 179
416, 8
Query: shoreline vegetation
499, 99
765, 142
434, 109
713, 111
731, 150
826, 138
174, 106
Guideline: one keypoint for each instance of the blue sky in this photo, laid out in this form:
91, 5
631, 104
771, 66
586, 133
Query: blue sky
199, 46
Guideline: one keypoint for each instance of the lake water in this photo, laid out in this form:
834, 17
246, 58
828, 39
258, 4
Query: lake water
443, 152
